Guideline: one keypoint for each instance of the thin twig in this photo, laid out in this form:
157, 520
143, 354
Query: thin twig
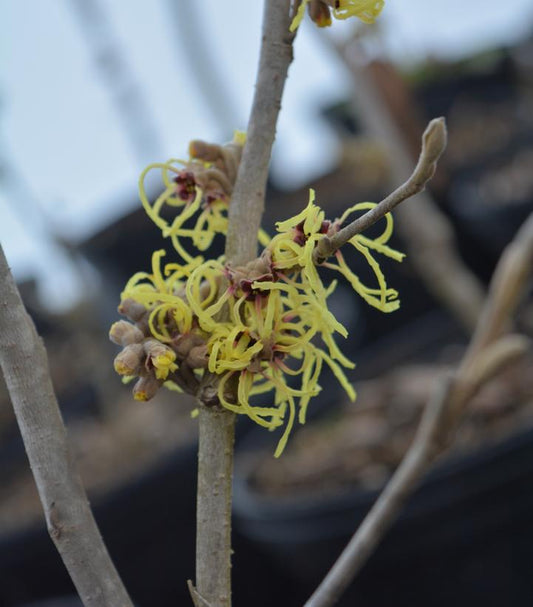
433, 144
426, 231
68, 515
384, 510
487, 354
213, 544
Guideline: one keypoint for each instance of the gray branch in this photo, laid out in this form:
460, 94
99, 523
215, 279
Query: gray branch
247, 201
68, 514
426, 231
489, 351
213, 545
213, 510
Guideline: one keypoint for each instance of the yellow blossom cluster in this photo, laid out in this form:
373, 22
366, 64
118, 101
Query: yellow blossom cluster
196, 192
263, 330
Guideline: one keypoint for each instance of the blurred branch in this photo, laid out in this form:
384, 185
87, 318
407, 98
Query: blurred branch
32, 215
489, 351
427, 233
190, 35
68, 515
506, 290
117, 75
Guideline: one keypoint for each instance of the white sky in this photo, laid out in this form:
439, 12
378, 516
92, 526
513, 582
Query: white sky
59, 130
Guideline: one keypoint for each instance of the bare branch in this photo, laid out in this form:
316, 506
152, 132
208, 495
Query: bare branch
68, 515
213, 544
507, 286
247, 201
425, 230
487, 354
433, 144
213, 510
384, 511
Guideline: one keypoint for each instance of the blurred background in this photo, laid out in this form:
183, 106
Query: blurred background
91, 91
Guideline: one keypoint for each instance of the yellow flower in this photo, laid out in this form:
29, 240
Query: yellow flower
365, 10
164, 296
200, 190
264, 328
381, 297
292, 250
265, 338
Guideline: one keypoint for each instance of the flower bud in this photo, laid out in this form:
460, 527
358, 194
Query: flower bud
183, 344
320, 13
129, 361
208, 152
124, 333
198, 357
146, 388
132, 310
161, 357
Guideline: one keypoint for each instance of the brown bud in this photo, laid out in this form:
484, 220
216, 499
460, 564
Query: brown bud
154, 348
208, 152
434, 139
198, 357
319, 13
159, 357
124, 333
183, 344
129, 361
132, 310
146, 388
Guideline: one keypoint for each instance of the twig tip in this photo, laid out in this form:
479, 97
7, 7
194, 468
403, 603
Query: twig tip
434, 139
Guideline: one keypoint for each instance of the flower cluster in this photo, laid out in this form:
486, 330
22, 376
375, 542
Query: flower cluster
199, 188
320, 11
263, 330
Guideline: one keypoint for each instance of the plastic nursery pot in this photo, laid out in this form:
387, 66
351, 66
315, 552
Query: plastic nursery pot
464, 538
65, 601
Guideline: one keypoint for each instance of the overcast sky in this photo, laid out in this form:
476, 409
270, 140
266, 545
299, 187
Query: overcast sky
67, 159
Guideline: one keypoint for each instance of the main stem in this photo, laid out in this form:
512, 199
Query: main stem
215, 458
213, 513
248, 198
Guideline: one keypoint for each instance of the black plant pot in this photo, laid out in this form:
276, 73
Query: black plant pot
464, 538
64, 601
